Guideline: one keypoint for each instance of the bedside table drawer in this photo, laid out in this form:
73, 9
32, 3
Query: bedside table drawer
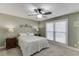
11, 43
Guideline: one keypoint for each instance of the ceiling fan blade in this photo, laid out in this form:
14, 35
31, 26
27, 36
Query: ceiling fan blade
47, 13
44, 16
31, 15
34, 14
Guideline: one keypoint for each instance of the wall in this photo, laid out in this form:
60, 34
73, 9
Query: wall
11, 21
73, 30
42, 26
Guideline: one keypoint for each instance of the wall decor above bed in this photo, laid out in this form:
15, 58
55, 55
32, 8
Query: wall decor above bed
25, 25
24, 28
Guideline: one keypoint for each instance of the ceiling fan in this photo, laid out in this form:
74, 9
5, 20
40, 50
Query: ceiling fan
40, 13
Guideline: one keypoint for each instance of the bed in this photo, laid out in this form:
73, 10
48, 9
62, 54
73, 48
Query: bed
31, 44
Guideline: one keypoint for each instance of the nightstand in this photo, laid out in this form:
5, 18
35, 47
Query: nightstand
11, 42
38, 35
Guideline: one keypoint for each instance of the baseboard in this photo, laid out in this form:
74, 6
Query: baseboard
76, 49
2, 47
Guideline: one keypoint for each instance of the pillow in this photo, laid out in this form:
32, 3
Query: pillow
23, 34
30, 34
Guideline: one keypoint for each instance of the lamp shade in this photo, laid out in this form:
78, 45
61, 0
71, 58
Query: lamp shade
11, 29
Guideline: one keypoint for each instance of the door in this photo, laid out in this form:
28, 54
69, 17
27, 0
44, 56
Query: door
61, 32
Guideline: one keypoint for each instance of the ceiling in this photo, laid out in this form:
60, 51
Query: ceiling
23, 9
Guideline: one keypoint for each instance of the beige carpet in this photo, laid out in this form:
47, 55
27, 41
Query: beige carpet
10, 52
53, 50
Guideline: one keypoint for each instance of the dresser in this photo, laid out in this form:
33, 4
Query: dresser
11, 42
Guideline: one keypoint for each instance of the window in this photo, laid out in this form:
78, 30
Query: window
60, 31
57, 31
49, 30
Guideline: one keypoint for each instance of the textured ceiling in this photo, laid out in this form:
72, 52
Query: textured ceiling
23, 9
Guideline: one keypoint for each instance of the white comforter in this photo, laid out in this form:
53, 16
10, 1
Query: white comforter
32, 44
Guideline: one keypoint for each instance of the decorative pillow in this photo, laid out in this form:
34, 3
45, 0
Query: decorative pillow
23, 34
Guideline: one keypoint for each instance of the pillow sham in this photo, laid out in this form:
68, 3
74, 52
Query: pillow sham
23, 34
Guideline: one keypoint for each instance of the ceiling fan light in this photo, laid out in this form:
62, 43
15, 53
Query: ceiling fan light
39, 16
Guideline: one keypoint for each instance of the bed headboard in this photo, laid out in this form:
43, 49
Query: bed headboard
25, 29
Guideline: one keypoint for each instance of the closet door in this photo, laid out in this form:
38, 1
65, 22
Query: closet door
50, 31
61, 31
